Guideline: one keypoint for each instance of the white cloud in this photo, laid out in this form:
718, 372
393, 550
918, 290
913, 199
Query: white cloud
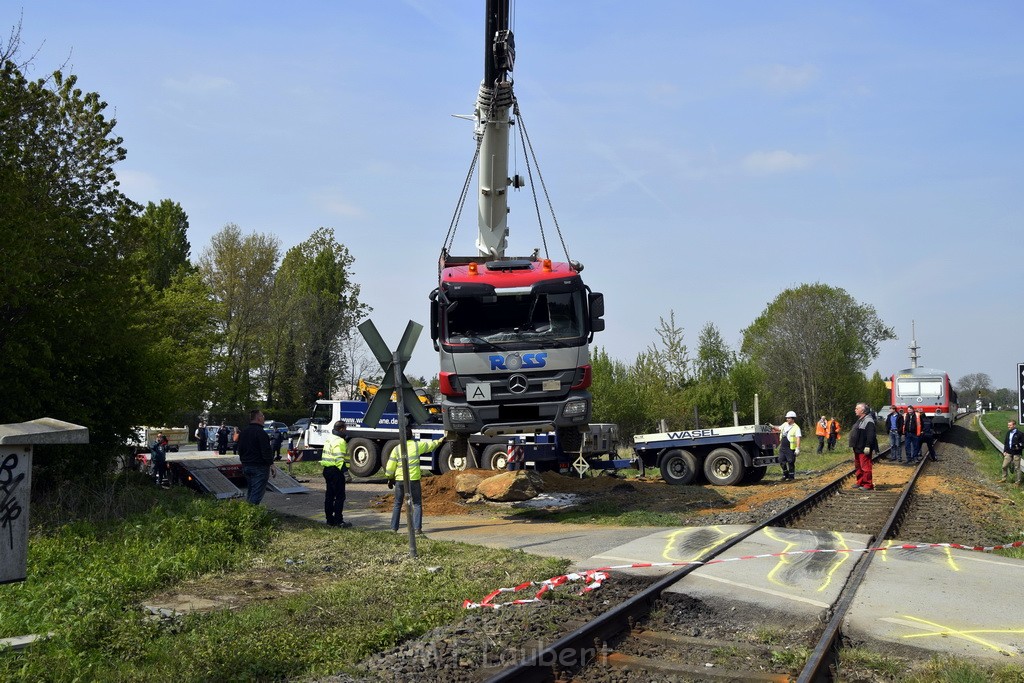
775, 161
138, 185
781, 80
199, 83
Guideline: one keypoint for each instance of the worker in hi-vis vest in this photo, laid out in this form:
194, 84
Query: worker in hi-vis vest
334, 460
396, 478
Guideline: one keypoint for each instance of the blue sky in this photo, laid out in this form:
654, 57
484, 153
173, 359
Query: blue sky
701, 157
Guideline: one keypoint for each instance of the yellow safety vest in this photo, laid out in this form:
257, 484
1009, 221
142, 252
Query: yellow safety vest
335, 453
413, 450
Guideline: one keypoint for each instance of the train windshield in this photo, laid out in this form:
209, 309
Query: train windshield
915, 388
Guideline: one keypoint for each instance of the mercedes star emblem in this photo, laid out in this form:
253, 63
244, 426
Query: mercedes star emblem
517, 384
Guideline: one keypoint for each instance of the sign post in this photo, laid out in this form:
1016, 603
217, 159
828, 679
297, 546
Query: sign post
16, 441
1020, 393
394, 380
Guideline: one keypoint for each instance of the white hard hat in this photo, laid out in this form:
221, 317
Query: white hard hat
790, 414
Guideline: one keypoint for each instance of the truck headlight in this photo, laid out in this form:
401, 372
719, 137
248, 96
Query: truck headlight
460, 414
575, 408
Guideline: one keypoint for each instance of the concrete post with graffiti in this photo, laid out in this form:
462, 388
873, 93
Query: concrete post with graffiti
16, 442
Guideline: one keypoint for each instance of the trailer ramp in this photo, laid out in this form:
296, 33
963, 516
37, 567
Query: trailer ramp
206, 472
284, 483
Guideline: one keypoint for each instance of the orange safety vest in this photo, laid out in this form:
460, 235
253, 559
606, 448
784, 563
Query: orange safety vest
836, 424
821, 429
917, 424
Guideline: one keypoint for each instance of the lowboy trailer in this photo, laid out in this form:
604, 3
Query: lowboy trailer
723, 455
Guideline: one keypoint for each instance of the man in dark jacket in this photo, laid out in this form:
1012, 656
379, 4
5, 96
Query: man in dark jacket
222, 439
894, 423
1013, 445
864, 442
256, 455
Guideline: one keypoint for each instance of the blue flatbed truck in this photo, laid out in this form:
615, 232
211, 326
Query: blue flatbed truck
370, 447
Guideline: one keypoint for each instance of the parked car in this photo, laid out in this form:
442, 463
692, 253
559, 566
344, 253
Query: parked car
273, 428
211, 437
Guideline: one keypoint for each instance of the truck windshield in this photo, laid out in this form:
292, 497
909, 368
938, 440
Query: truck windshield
530, 319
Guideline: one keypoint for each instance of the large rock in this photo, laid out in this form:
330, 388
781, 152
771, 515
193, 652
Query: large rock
511, 486
466, 484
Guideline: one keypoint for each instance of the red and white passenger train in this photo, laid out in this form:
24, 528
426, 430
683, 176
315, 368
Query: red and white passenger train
929, 389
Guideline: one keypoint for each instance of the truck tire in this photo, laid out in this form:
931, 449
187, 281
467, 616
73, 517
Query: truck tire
364, 460
724, 467
755, 474
447, 460
385, 452
678, 466
495, 457
570, 439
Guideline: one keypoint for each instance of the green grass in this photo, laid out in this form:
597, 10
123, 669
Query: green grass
857, 659
950, 670
87, 582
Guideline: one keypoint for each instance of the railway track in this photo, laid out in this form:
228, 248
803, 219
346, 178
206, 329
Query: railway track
662, 634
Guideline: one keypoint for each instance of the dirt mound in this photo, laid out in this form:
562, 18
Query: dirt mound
439, 495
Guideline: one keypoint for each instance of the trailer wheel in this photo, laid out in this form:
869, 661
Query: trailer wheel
495, 457
755, 474
724, 467
447, 460
363, 456
678, 467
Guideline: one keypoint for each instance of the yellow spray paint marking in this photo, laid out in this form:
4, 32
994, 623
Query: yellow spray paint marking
885, 555
945, 631
837, 561
667, 553
951, 560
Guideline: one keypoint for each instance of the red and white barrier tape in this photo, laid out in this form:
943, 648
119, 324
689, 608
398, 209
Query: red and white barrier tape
594, 578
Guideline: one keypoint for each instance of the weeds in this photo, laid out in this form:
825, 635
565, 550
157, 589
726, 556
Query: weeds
358, 593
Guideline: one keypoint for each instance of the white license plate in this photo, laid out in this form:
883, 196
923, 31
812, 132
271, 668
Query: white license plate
478, 391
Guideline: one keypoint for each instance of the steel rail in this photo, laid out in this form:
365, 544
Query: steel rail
818, 665
585, 644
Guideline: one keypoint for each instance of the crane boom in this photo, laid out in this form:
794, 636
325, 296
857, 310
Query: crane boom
493, 104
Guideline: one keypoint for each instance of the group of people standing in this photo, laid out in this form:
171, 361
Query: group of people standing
827, 431
863, 441
909, 431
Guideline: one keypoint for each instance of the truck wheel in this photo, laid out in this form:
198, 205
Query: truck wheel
447, 460
724, 467
385, 453
495, 457
364, 460
755, 474
570, 439
678, 467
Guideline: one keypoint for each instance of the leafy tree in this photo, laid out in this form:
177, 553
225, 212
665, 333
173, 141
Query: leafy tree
713, 393
876, 394
618, 396
69, 316
970, 386
184, 331
317, 276
163, 248
813, 344
239, 272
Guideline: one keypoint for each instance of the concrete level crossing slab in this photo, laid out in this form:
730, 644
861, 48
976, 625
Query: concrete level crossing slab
957, 602
807, 583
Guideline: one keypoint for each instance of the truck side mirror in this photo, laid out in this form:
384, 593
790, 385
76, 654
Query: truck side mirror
596, 306
435, 331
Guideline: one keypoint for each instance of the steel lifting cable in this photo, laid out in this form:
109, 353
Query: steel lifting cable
528, 147
449, 238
